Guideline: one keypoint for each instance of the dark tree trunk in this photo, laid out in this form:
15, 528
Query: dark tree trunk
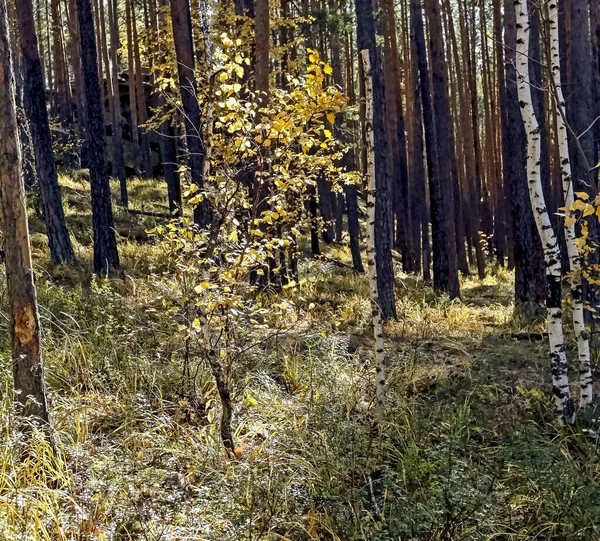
61, 249
106, 257
537, 93
326, 209
118, 159
580, 113
595, 31
445, 272
530, 280
417, 159
184, 50
25, 331
383, 249
445, 137
168, 148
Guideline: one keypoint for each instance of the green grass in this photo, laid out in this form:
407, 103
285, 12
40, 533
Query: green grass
468, 448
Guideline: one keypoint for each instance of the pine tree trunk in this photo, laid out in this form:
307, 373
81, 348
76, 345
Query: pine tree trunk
445, 272
25, 330
530, 283
580, 111
61, 250
140, 100
106, 257
166, 140
560, 377
385, 272
118, 154
416, 156
585, 373
184, 50
133, 97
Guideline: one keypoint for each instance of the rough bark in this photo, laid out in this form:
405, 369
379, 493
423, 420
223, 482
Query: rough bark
61, 250
25, 333
184, 50
385, 272
106, 257
118, 159
530, 283
445, 272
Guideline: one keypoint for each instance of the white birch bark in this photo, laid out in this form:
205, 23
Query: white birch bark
560, 377
371, 194
583, 348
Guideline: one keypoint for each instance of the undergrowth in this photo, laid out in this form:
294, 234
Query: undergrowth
468, 449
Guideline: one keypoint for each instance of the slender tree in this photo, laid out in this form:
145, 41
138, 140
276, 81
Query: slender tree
560, 377
385, 273
61, 249
371, 190
445, 271
583, 348
106, 257
530, 283
184, 50
25, 330
118, 153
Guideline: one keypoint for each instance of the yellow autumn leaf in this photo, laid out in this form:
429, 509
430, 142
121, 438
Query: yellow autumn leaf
328, 69
202, 286
331, 118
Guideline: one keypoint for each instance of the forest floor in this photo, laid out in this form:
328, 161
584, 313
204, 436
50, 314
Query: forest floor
468, 449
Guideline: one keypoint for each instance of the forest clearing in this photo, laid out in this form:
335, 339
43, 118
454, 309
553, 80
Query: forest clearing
304, 271
470, 448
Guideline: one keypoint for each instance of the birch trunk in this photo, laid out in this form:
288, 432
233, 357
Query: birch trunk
371, 195
560, 378
583, 348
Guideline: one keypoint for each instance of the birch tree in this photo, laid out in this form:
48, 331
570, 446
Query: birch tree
560, 377
371, 253
583, 348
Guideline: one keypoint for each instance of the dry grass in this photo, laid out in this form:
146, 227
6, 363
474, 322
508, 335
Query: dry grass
468, 449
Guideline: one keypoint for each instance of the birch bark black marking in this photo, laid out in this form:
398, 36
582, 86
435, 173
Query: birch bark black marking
560, 378
583, 348
371, 199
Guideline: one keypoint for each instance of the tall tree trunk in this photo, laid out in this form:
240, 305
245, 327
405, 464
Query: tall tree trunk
61, 250
140, 100
530, 283
585, 373
385, 272
75, 46
168, 150
580, 111
134, 121
184, 50
560, 377
106, 257
416, 155
371, 190
25, 331
445, 272
118, 154
445, 138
